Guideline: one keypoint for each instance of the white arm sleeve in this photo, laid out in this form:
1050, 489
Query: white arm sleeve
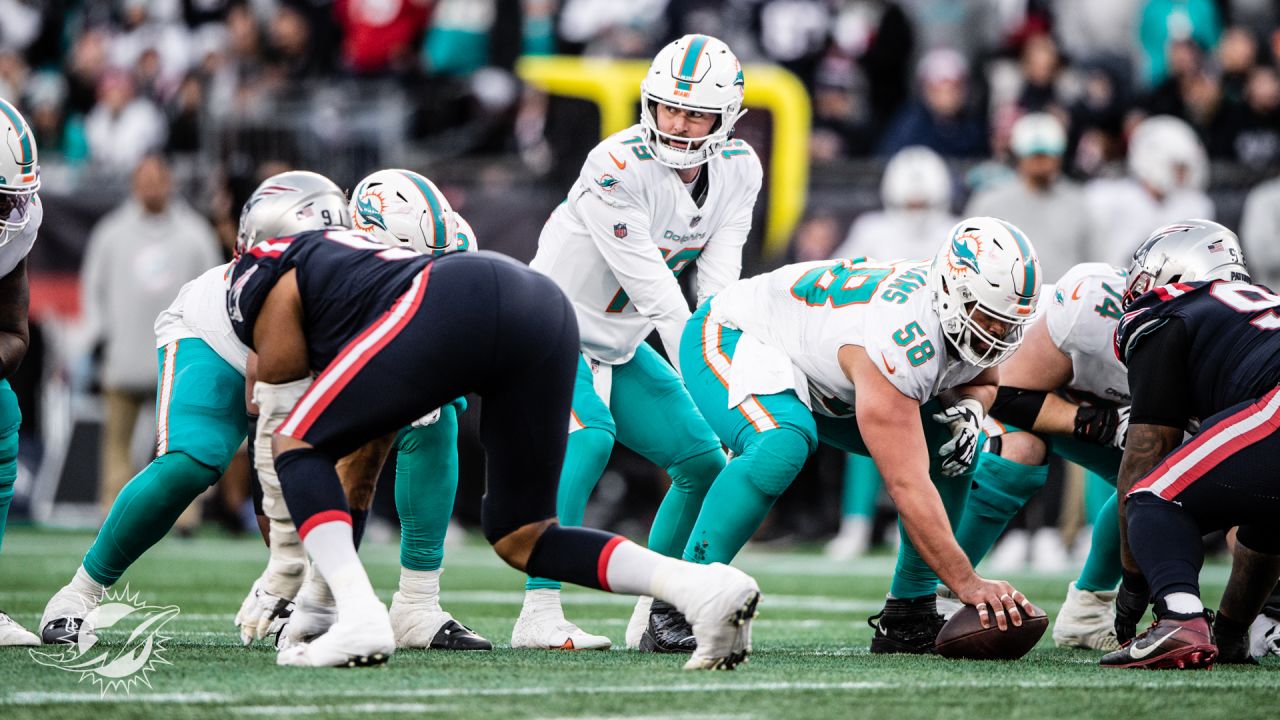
721, 261
639, 267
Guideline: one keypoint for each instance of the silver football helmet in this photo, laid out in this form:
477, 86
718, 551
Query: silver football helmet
1185, 251
289, 203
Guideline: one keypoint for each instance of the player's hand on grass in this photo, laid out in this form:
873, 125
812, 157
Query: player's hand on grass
997, 601
261, 614
1131, 604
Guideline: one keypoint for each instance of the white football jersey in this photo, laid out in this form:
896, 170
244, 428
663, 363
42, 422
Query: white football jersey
810, 310
630, 226
12, 252
1081, 319
200, 311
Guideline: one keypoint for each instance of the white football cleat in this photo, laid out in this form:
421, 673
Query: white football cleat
310, 619
427, 626
542, 626
721, 616
1086, 620
64, 614
947, 602
361, 640
11, 633
639, 622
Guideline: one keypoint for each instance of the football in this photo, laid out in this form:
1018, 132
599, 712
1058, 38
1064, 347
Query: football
963, 637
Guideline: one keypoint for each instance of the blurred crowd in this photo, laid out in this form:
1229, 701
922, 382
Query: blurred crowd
1086, 122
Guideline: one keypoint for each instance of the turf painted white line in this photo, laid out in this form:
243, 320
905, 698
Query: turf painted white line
1252, 681
382, 708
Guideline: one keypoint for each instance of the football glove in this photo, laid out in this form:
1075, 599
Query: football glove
965, 421
1102, 426
1264, 636
1131, 604
262, 614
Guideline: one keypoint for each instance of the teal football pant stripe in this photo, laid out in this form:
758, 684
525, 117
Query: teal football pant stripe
649, 411
10, 421
200, 421
861, 487
426, 484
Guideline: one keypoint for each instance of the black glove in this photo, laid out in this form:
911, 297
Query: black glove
1102, 426
1131, 604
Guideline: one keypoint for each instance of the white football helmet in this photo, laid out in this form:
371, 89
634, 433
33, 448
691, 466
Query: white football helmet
289, 203
404, 209
987, 265
916, 177
1185, 251
1165, 153
1037, 134
696, 72
19, 172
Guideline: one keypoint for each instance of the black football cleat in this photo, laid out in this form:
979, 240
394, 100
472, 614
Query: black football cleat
906, 626
1232, 640
453, 635
61, 631
668, 631
1174, 641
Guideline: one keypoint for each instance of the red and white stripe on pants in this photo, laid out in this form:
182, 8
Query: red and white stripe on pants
1212, 446
353, 358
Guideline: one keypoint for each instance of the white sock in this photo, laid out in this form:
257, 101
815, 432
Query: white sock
543, 597
318, 589
331, 547
1183, 603
421, 587
86, 585
633, 570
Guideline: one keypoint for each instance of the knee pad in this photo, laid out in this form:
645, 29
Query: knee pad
1260, 539
776, 457
194, 476
1001, 486
697, 472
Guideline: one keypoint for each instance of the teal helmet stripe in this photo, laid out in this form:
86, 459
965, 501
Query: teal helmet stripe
28, 153
437, 213
1028, 263
691, 55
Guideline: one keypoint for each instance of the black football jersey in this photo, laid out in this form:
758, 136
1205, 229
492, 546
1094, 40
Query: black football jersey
1229, 350
346, 280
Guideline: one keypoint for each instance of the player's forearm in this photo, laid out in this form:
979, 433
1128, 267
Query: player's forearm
14, 330
13, 347
983, 393
1144, 448
1057, 416
926, 523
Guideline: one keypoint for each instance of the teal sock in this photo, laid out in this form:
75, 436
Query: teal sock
8, 476
690, 480
1102, 568
861, 487
740, 498
1000, 488
913, 578
1097, 491
426, 483
585, 458
144, 512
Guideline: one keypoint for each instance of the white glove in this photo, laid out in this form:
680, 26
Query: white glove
1122, 428
965, 421
429, 419
261, 614
1264, 636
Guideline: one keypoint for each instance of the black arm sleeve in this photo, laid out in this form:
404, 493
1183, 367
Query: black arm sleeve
1159, 377
1017, 407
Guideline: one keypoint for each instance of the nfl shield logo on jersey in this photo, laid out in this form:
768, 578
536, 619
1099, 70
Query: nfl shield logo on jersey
620, 230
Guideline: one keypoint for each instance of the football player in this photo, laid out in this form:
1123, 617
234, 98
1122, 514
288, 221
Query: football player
20, 216
1200, 342
1063, 392
367, 318
895, 360
650, 202
200, 426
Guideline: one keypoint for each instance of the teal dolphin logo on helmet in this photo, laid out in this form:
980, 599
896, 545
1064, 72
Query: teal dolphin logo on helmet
369, 214
963, 254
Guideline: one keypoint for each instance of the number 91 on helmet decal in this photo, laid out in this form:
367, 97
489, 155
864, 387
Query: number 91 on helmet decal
289, 203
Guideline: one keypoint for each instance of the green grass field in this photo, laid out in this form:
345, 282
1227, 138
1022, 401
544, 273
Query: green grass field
810, 657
